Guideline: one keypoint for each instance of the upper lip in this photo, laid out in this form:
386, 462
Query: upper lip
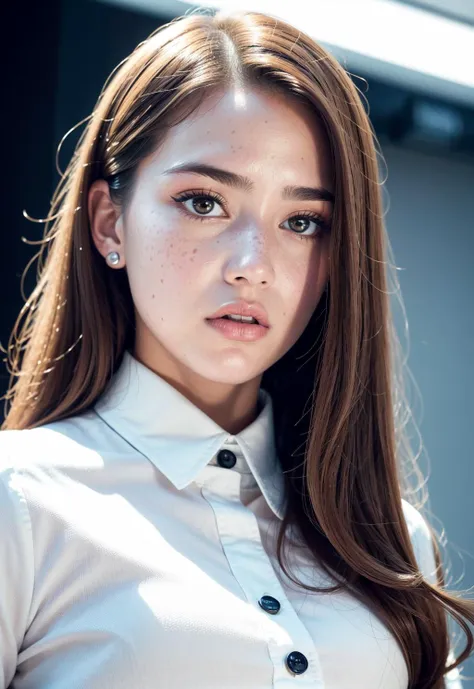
244, 308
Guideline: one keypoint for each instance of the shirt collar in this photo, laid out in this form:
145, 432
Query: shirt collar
179, 438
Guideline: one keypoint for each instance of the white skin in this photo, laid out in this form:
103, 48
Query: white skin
181, 270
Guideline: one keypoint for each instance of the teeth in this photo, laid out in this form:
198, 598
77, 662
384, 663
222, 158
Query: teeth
243, 319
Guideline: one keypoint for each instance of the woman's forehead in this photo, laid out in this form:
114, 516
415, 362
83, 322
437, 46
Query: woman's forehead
250, 132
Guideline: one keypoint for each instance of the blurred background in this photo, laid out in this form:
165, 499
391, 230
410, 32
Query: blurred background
414, 61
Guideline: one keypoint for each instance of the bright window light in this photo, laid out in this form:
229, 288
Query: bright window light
385, 39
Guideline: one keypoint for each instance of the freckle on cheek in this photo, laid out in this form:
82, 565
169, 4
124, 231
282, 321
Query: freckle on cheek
161, 280
195, 251
152, 296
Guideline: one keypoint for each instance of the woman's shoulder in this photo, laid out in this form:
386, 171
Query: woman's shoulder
49, 446
421, 538
42, 467
416, 522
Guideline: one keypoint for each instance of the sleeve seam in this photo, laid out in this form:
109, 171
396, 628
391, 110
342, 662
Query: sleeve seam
26, 514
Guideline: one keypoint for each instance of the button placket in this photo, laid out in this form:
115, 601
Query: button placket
290, 645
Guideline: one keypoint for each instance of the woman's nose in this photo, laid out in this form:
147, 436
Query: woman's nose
250, 261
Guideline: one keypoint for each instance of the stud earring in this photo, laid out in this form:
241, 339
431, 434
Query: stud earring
113, 258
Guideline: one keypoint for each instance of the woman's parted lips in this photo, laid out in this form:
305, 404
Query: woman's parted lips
243, 308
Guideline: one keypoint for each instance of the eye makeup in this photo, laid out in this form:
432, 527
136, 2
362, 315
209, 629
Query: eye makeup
317, 218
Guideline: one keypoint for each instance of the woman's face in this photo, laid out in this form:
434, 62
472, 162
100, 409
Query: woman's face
185, 258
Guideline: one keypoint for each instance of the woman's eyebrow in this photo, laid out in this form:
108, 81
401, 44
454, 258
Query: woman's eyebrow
236, 181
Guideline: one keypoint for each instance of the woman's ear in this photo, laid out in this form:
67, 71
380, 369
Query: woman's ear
106, 224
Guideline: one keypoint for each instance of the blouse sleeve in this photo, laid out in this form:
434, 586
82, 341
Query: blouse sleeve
16, 572
424, 553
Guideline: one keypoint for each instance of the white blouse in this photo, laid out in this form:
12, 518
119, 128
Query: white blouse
137, 550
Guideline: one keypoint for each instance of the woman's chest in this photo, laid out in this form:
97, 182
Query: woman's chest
191, 594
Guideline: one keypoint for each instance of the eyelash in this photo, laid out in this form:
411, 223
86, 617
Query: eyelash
203, 193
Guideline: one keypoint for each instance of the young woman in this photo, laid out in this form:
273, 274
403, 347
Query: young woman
202, 461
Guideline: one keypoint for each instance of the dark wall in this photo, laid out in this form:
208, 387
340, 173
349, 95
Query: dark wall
60, 55
94, 38
31, 35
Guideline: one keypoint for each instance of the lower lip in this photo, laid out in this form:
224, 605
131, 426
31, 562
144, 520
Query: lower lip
244, 332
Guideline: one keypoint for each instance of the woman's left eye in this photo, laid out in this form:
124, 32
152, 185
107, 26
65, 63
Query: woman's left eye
303, 224
201, 203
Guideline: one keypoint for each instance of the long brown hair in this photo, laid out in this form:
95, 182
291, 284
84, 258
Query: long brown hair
341, 441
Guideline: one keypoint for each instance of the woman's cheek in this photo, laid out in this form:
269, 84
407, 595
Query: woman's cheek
173, 267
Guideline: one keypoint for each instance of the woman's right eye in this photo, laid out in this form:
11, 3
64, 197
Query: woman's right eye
198, 205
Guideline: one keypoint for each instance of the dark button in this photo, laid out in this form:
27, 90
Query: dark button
269, 604
226, 459
297, 662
